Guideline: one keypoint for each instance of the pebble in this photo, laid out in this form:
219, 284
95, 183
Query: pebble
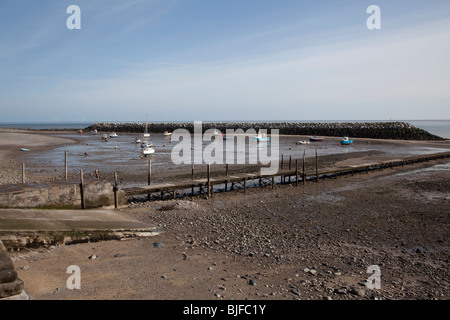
158, 245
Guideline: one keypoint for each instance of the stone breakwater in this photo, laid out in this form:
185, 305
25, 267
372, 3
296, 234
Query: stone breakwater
374, 130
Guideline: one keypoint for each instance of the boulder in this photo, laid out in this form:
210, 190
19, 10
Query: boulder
10, 284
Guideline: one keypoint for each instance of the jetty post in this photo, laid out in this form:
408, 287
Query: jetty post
296, 172
83, 205
209, 179
149, 178
317, 168
65, 164
226, 174
303, 174
23, 172
192, 177
115, 188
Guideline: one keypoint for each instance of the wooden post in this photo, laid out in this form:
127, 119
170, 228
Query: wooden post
296, 172
290, 160
116, 199
245, 184
23, 172
209, 178
192, 178
149, 178
273, 181
226, 174
317, 168
281, 162
303, 174
65, 164
212, 190
82, 189
97, 175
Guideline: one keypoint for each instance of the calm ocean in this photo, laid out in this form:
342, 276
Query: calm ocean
438, 127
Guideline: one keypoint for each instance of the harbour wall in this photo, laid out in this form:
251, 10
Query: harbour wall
59, 195
373, 130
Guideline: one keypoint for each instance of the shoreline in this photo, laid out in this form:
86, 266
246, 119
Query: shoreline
37, 172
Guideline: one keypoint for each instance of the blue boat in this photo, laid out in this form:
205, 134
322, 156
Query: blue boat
346, 140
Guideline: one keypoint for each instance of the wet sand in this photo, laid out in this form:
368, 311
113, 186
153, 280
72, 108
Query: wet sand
306, 242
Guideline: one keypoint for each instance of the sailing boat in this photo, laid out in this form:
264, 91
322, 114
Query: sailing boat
146, 134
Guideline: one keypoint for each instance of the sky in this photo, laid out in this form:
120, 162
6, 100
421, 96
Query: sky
248, 60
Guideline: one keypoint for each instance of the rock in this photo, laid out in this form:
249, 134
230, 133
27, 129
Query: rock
165, 277
358, 291
313, 272
296, 292
340, 291
158, 245
26, 268
10, 284
252, 282
94, 256
119, 255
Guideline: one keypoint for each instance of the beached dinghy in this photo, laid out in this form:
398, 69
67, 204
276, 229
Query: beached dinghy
113, 135
303, 142
346, 140
314, 138
166, 133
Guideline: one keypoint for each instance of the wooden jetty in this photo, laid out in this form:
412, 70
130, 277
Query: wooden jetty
206, 185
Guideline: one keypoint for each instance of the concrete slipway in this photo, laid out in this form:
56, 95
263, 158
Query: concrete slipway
34, 227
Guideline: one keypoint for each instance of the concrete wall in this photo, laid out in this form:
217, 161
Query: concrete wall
58, 195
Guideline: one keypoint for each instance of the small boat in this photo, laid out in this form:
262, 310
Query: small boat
137, 140
346, 140
145, 144
80, 131
166, 133
314, 138
216, 133
113, 135
303, 142
148, 150
105, 137
261, 137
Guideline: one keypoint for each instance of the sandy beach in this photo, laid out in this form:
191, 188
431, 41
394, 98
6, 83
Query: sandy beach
288, 243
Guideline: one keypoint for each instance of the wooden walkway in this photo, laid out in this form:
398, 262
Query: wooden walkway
298, 175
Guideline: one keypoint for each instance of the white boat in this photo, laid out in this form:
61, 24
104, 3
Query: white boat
303, 142
94, 131
145, 144
166, 133
137, 140
216, 133
261, 137
314, 138
148, 150
113, 135
105, 137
